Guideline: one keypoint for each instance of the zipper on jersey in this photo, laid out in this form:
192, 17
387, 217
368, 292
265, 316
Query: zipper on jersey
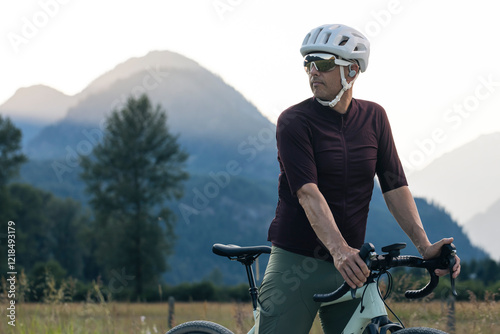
344, 150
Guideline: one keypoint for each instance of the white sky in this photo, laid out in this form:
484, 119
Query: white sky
430, 62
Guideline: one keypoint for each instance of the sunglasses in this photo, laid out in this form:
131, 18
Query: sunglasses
323, 62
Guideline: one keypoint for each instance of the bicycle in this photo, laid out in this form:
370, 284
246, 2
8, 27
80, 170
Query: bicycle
371, 316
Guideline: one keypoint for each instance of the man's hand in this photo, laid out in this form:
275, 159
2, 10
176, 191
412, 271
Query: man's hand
351, 266
347, 260
434, 250
402, 206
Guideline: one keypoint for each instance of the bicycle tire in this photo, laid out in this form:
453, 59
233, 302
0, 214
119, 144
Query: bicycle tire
420, 330
199, 327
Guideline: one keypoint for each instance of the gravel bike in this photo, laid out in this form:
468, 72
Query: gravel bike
371, 316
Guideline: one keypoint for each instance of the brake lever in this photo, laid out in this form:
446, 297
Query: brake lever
452, 281
448, 253
366, 252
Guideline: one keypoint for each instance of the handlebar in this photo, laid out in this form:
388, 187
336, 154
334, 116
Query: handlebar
382, 263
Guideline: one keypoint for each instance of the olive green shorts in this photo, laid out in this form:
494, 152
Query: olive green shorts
286, 302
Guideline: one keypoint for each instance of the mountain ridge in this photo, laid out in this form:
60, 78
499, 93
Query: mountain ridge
151, 61
218, 115
224, 134
471, 166
486, 221
37, 104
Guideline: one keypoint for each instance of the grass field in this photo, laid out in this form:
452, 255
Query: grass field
89, 318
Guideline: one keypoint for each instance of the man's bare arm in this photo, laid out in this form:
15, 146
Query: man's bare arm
346, 259
402, 206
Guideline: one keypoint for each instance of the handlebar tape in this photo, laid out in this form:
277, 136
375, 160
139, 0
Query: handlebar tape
407, 261
426, 290
329, 297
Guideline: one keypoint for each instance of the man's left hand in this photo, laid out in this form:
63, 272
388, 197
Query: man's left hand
435, 249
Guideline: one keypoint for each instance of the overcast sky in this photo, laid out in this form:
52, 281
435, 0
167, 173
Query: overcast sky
434, 65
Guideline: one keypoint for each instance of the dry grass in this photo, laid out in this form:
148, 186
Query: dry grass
85, 318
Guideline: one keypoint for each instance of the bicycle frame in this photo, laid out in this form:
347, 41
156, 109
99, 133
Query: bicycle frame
372, 307
370, 315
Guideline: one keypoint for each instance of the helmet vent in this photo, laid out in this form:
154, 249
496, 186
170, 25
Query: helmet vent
325, 37
344, 40
360, 47
358, 35
340, 40
315, 36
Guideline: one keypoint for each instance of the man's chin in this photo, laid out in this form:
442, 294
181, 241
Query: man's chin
322, 97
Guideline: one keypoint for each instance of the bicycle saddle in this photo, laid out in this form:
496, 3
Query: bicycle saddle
239, 252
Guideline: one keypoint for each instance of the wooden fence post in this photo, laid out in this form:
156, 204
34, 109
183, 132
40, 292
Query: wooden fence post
451, 315
171, 312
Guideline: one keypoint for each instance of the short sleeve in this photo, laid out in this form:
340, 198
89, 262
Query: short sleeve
295, 150
389, 169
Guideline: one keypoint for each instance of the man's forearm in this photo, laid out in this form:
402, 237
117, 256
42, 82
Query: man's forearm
402, 206
346, 259
320, 217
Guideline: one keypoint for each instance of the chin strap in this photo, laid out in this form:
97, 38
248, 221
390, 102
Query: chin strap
345, 86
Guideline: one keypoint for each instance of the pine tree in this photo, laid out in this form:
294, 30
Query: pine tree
11, 160
11, 157
130, 177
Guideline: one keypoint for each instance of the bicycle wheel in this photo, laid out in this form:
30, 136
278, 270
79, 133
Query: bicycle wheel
199, 327
420, 330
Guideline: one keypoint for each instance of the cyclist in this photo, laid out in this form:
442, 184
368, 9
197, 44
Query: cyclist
330, 147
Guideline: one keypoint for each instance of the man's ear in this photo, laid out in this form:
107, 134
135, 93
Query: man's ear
353, 69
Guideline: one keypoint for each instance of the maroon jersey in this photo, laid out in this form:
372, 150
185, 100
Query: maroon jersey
340, 153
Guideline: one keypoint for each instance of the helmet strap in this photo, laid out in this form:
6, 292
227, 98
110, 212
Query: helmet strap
345, 86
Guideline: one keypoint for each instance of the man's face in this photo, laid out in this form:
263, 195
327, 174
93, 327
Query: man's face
325, 85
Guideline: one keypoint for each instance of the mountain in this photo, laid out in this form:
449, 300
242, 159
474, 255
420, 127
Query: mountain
484, 229
153, 63
463, 181
232, 191
241, 215
32, 108
438, 224
215, 122
38, 103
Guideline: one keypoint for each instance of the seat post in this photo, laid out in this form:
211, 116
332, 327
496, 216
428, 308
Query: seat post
251, 282
246, 256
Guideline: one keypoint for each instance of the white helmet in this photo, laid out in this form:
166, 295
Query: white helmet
340, 40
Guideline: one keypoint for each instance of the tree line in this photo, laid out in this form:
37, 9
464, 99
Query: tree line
120, 243
127, 232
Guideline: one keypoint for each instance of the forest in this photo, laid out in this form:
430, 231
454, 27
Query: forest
120, 242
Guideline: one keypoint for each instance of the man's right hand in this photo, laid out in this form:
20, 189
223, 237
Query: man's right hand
350, 265
347, 259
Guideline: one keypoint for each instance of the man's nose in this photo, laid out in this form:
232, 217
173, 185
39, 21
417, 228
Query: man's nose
313, 70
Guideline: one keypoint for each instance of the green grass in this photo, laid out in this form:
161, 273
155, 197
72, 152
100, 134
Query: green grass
102, 318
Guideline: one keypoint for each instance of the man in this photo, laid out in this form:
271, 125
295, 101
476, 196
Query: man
330, 148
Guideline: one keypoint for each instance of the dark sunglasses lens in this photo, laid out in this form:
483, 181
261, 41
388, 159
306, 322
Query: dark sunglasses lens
322, 64
325, 65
